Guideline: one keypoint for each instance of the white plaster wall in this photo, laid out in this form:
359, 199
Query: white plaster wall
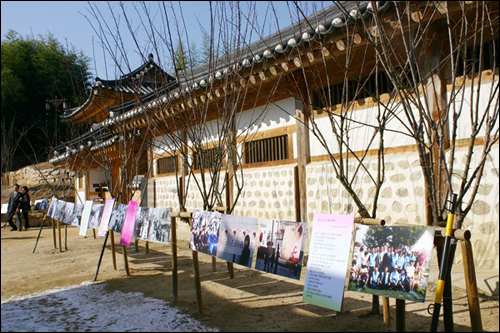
483, 219
269, 193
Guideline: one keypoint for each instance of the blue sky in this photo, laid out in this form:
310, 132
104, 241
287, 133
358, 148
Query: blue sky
67, 22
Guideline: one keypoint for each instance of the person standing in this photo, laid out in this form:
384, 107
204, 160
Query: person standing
13, 198
24, 206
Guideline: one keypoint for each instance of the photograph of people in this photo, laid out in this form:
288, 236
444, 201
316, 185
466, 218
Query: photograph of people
205, 227
68, 212
77, 215
52, 208
160, 225
60, 211
283, 252
391, 261
237, 241
117, 217
142, 223
95, 216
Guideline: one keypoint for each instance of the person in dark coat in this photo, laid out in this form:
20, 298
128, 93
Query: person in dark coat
245, 254
11, 210
24, 206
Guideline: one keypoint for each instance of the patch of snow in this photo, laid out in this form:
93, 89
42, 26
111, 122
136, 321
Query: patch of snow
89, 307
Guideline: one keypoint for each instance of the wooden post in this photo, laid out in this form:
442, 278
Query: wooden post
400, 315
147, 246
471, 286
197, 282
66, 237
113, 253
54, 233
136, 244
303, 155
93, 233
59, 233
214, 264
173, 243
386, 310
125, 258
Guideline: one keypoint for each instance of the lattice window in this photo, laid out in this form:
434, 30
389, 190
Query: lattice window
167, 164
267, 150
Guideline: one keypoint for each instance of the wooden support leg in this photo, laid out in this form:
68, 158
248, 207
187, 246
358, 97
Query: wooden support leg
173, 243
471, 285
147, 246
375, 305
197, 281
113, 251
125, 258
54, 234
214, 264
230, 269
66, 237
59, 233
400, 315
387, 311
136, 245
93, 232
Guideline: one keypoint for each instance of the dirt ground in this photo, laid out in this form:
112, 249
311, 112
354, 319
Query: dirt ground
252, 301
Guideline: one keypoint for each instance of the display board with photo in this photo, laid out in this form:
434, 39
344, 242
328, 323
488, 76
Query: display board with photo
84, 222
205, 227
142, 223
237, 239
160, 225
283, 253
77, 215
60, 212
392, 261
117, 217
69, 210
95, 216
52, 207
106, 216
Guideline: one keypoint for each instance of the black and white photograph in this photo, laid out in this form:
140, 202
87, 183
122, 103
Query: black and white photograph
117, 217
142, 223
77, 215
52, 208
160, 225
283, 252
69, 210
60, 213
95, 216
237, 239
205, 229
392, 261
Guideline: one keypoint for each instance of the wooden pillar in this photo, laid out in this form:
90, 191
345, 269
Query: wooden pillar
197, 282
59, 233
125, 259
54, 233
386, 308
471, 286
303, 157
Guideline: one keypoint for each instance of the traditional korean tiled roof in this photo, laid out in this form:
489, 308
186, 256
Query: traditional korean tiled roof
325, 22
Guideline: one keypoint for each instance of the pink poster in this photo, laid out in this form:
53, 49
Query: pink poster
106, 215
128, 225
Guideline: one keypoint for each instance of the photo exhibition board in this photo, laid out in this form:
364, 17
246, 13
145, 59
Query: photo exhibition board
281, 248
106, 216
118, 217
237, 238
160, 225
392, 261
329, 250
205, 227
128, 225
87, 209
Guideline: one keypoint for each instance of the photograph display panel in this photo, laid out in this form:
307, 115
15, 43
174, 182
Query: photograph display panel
60, 212
392, 261
69, 210
237, 239
77, 215
142, 223
283, 253
329, 254
95, 216
205, 229
117, 217
160, 225
87, 210
128, 224
106, 216
52, 207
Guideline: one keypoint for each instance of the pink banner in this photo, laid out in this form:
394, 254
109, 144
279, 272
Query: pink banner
128, 225
106, 215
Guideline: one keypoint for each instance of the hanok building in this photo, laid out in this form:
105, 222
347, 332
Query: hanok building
291, 125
